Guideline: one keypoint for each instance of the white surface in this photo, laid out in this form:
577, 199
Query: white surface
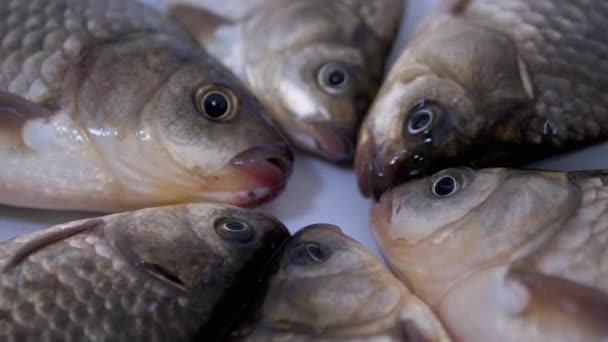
318, 192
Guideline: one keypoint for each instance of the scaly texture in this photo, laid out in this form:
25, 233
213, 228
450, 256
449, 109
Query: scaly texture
39, 38
80, 289
161, 274
565, 49
489, 83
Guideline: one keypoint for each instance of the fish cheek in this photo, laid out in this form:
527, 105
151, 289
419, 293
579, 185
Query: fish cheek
165, 247
419, 213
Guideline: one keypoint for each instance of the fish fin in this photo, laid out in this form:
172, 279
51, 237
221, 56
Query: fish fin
15, 110
199, 23
31, 243
453, 6
562, 306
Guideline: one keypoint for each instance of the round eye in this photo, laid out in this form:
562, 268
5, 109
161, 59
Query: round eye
420, 121
216, 103
445, 186
422, 117
234, 230
316, 252
334, 78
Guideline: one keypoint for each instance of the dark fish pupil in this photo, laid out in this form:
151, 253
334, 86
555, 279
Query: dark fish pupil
316, 252
235, 226
336, 78
420, 120
445, 186
215, 105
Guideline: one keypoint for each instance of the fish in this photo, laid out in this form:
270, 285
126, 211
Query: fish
488, 84
106, 106
172, 273
325, 286
521, 252
315, 64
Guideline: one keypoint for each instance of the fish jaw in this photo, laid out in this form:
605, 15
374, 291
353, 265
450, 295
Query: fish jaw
253, 177
330, 141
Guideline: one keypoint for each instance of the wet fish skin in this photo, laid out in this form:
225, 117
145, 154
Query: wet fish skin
286, 50
326, 287
506, 82
100, 110
522, 250
157, 274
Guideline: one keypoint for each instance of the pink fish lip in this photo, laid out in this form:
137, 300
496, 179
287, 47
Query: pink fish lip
328, 140
269, 166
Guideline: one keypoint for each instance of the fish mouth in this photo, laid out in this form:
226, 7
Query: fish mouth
382, 212
330, 141
372, 178
266, 168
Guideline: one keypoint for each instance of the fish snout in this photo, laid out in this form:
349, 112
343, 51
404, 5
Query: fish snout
270, 165
373, 177
331, 141
382, 212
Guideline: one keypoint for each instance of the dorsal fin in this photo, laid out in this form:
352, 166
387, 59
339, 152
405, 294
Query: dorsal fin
31, 243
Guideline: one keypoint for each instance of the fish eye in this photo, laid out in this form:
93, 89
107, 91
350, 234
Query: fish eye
316, 252
216, 103
334, 78
421, 118
445, 186
307, 254
234, 230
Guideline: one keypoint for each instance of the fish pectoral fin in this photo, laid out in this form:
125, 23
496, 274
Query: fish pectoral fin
563, 307
31, 243
15, 111
199, 23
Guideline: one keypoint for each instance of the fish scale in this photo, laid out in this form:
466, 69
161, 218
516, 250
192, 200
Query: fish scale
62, 296
569, 82
135, 276
104, 107
506, 82
38, 45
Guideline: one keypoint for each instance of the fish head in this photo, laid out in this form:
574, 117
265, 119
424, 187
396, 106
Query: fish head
319, 94
452, 98
437, 229
175, 126
199, 248
328, 285
215, 128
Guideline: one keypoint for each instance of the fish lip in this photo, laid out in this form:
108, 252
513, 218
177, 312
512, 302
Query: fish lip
382, 214
270, 166
372, 179
328, 140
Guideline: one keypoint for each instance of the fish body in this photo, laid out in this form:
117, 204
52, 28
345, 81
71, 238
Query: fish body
489, 83
327, 287
161, 274
315, 64
106, 106
524, 252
